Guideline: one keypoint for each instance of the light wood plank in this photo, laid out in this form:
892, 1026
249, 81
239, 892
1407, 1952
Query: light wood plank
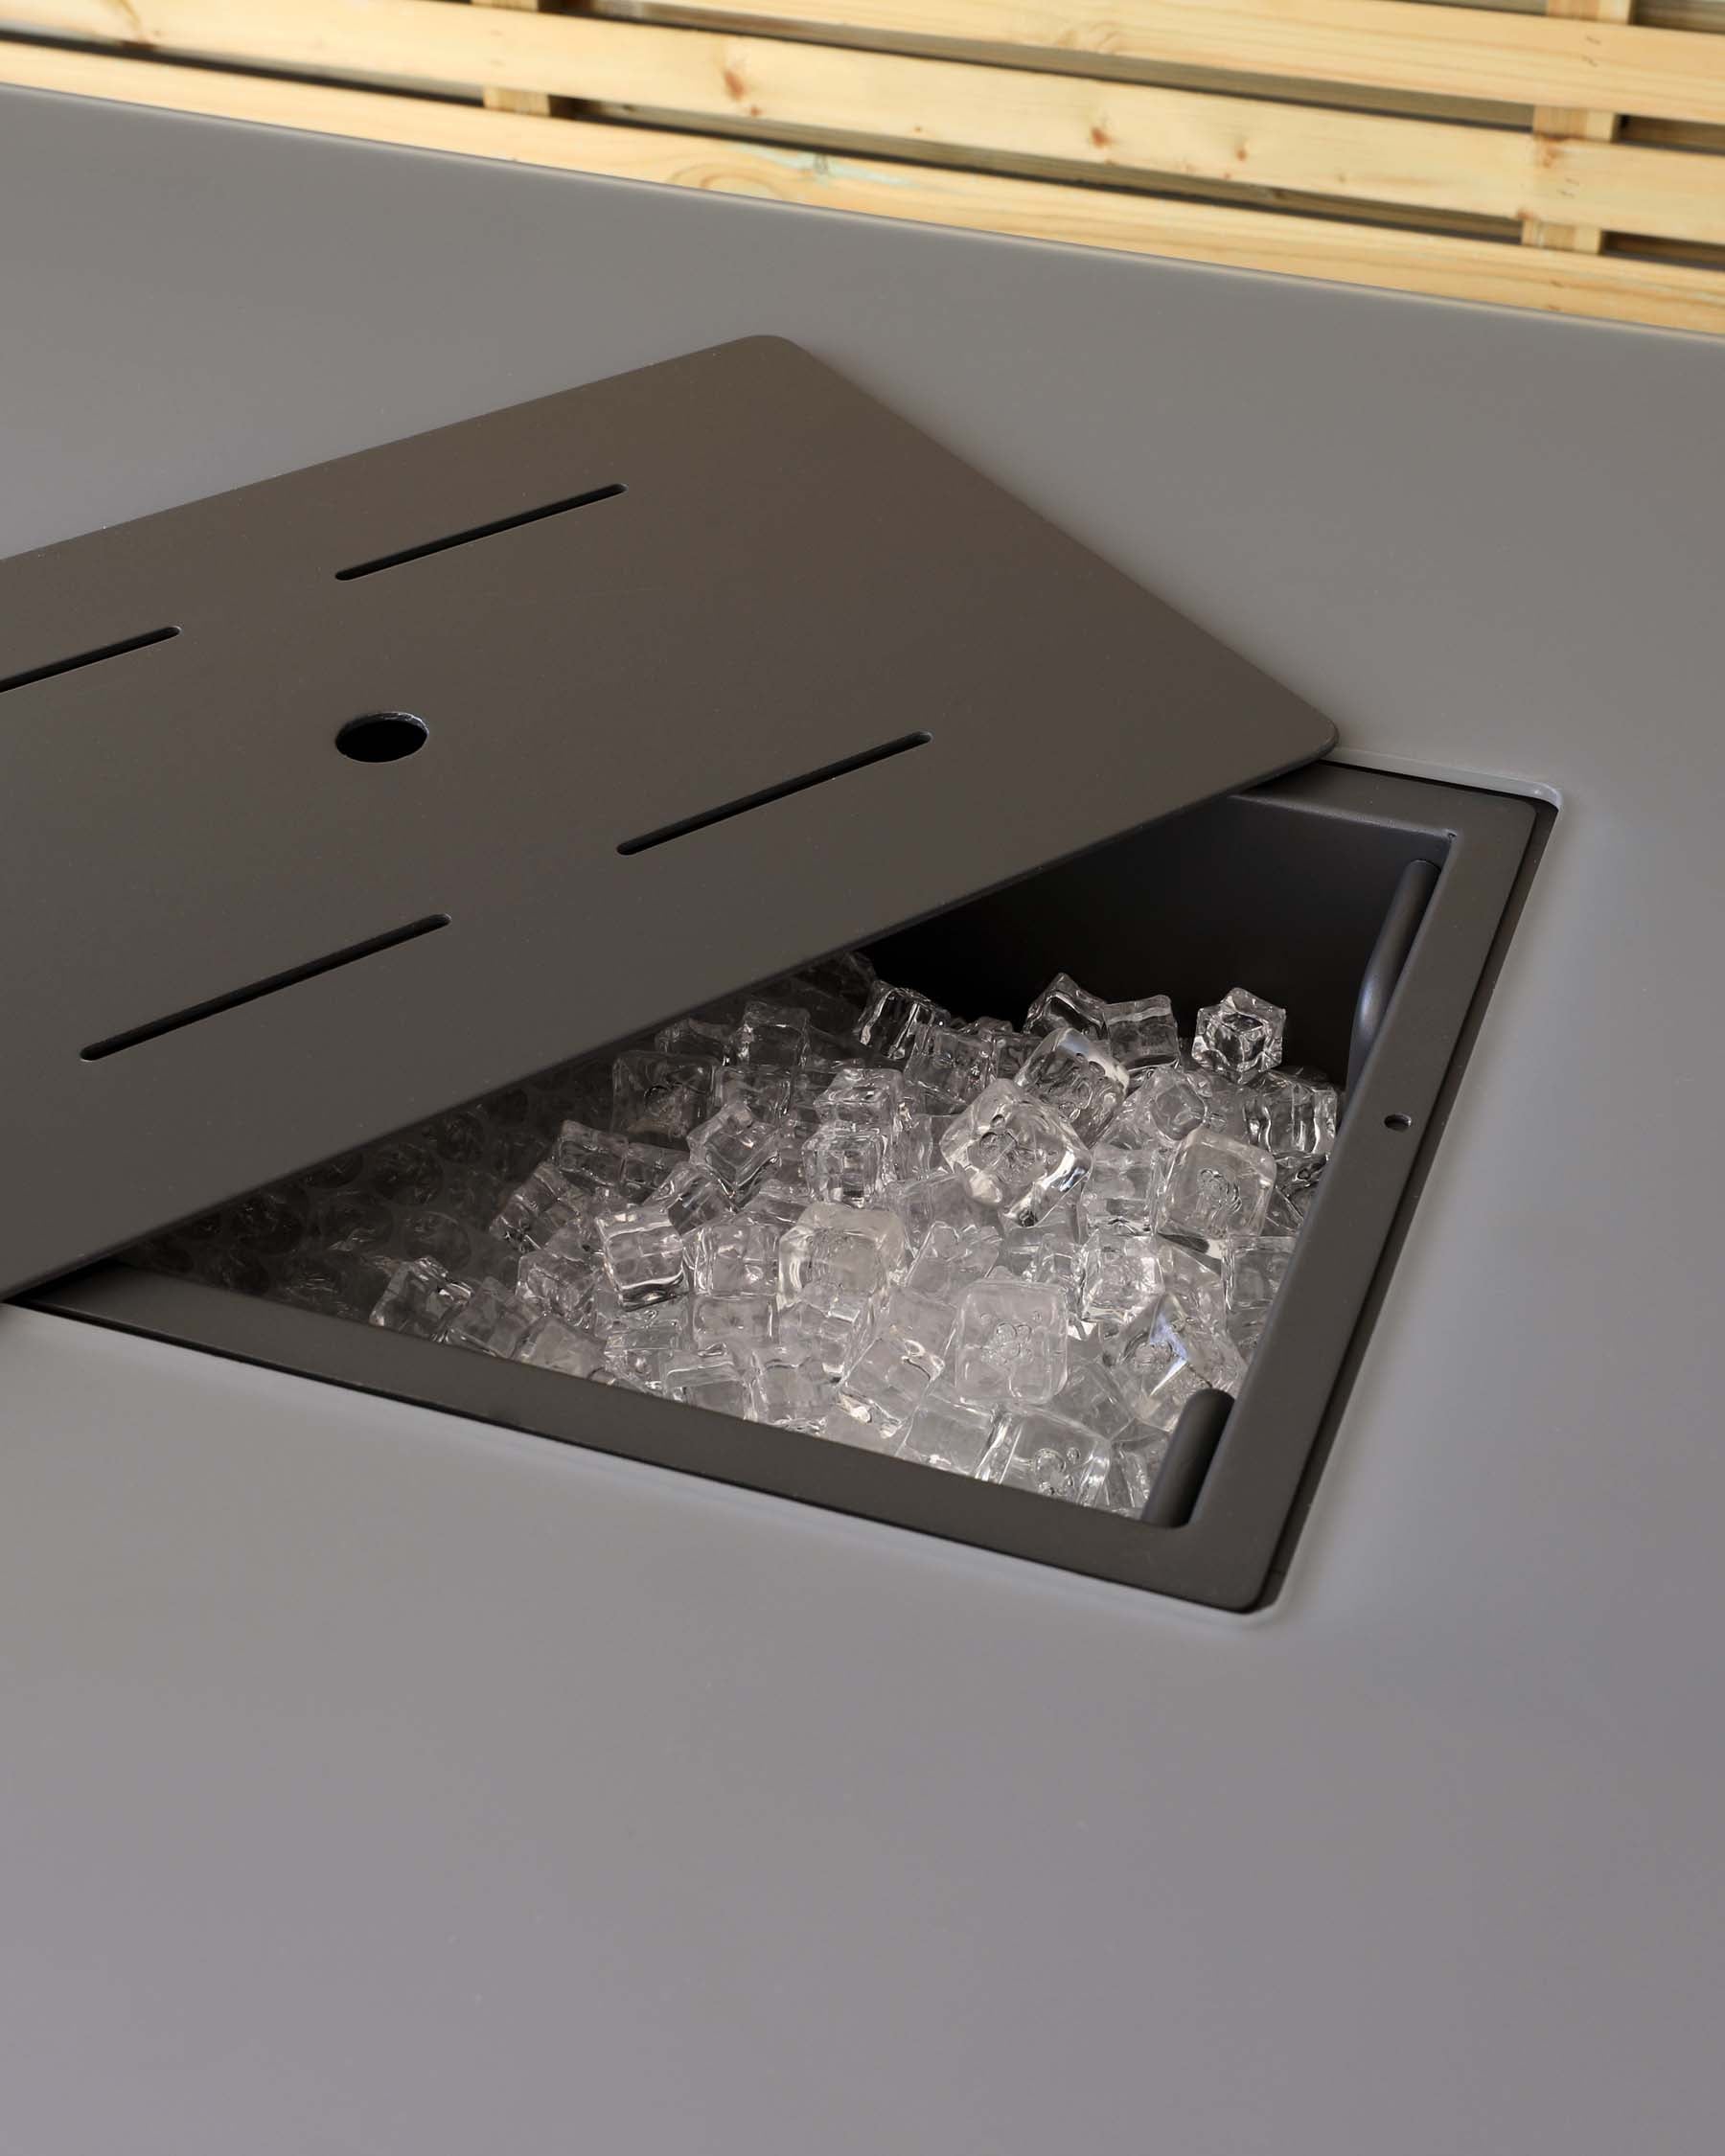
1605, 287
769, 83
1561, 122
1402, 44
515, 100
1445, 51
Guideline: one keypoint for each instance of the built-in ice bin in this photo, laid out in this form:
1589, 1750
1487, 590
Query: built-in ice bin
673, 684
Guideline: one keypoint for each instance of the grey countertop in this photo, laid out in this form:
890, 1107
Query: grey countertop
373, 1781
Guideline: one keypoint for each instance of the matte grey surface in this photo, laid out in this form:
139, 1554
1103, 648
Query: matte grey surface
373, 1782
783, 578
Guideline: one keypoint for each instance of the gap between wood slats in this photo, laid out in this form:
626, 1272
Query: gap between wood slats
1604, 288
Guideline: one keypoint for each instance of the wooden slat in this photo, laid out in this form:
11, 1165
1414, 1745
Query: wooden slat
1606, 288
1392, 44
1566, 122
1402, 44
517, 100
770, 82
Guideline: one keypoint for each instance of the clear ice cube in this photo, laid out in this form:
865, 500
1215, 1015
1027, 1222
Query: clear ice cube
746, 1325
691, 1197
1078, 1077
1015, 1153
772, 1036
1295, 1120
659, 1096
947, 1433
553, 1345
857, 1248
1216, 1186
1011, 1343
891, 1019
642, 1254
1034, 1449
490, 1325
1063, 1003
1241, 1036
1253, 1276
733, 1256
952, 1066
708, 1379
734, 1147
1120, 1275
846, 1163
1142, 1034
792, 1394
420, 1300
1164, 1357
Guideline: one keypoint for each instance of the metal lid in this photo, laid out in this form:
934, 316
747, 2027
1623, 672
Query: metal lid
716, 667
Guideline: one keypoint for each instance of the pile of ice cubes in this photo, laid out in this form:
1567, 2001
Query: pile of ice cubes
832, 1205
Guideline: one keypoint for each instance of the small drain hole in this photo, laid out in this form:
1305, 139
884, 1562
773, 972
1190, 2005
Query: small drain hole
382, 737
1399, 1122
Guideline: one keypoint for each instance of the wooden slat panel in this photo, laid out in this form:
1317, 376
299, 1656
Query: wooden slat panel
1395, 44
1403, 44
1607, 287
769, 82
515, 100
1557, 122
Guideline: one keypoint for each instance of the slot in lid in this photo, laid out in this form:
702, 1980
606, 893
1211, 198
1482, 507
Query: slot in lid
345, 798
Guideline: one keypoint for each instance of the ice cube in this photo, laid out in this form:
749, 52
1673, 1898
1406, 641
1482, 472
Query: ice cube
697, 1037
559, 1279
1165, 1357
794, 1396
846, 1163
1078, 1077
950, 1067
1142, 1034
553, 1345
1121, 1276
538, 1211
642, 1254
692, 1197
1241, 1037
1016, 1153
1295, 1119
949, 1259
1123, 1188
420, 1300
746, 1325
659, 1096
734, 1147
857, 1248
1165, 1107
861, 1094
1216, 1186
947, 1433
891, 1017
1011, 1343
826, 1328
489, 1323
1062, 1004
733, 1256
772, 1036
1253, 1277
708, 1379
1035, 1449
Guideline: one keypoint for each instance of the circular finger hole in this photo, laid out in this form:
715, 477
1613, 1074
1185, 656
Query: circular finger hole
1399, 1122
382, 737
